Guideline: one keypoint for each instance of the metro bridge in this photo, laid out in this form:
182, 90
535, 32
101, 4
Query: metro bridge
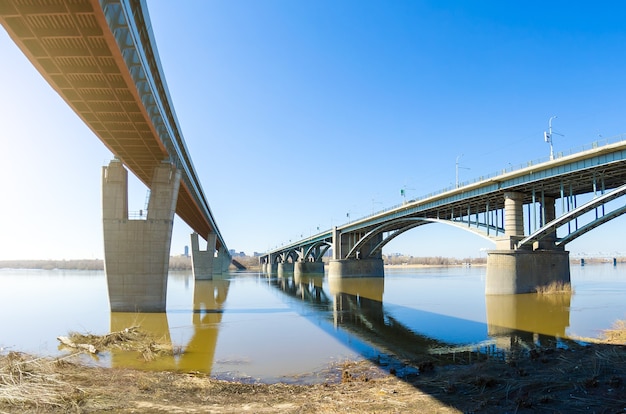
530, 214
101, 58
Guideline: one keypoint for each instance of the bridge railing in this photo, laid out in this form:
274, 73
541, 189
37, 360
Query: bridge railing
510, 168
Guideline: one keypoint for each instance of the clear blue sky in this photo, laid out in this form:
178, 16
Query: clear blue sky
297, 113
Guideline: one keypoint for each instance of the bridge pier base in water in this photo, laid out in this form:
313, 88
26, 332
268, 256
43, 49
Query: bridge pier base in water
524, 271
202, 260
308, 268
356, 268
137, 252
284, 268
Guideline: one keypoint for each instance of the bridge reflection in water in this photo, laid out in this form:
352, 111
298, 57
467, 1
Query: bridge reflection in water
515, 320
198, 354
353, 311
356, 305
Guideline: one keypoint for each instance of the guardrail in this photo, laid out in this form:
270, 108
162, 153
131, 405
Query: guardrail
596, 144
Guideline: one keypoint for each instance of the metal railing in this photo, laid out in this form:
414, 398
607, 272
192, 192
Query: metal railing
596, 144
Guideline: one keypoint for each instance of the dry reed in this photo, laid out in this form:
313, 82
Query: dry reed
554, 287
33, 382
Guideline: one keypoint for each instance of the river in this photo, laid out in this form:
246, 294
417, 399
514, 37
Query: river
247, 326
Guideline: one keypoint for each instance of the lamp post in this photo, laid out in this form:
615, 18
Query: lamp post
456, 168
547, 136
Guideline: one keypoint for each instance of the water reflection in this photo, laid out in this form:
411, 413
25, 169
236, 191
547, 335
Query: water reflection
156, 325
198, 354
355, 306
208, 308
527, 319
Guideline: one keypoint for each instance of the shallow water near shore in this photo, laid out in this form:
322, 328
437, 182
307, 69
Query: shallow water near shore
248, 326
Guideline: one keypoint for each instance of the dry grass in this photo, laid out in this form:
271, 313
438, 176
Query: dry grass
554, 288
615, 335
129, 339
33, 382
577, 379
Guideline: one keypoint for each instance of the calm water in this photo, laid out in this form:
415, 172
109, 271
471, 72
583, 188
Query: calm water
248, 326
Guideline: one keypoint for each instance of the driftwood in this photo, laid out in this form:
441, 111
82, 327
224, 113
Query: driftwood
68, 342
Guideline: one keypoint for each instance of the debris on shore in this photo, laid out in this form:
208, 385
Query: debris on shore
128, 339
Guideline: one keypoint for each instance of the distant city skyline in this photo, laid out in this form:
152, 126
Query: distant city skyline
305, 115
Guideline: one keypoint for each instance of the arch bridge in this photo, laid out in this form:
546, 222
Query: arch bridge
529, 214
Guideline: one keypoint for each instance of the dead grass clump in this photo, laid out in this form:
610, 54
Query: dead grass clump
129, 339
554, 288
617, 334
32, 382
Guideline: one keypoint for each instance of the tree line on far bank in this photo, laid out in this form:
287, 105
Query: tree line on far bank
176, 263
252, 263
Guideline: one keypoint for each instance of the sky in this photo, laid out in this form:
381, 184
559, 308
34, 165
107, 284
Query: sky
301, 115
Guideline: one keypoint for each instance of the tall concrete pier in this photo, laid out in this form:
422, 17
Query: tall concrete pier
137, 251
202, 260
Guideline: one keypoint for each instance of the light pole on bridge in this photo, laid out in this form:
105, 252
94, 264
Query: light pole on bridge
456, 169
547, 136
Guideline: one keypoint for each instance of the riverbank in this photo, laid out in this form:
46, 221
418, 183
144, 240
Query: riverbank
580, 378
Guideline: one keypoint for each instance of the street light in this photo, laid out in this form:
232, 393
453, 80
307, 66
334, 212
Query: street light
547, 136
457, 169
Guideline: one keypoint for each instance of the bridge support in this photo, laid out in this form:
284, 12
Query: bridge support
308, 268
285, 268
202, 260
364, 264
520, 271
137, 252
356, 268
221, 262
511, 270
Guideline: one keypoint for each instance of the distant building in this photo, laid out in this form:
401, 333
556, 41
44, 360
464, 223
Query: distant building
186, 254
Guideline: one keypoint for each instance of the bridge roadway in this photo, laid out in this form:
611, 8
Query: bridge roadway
514, 209
100, 56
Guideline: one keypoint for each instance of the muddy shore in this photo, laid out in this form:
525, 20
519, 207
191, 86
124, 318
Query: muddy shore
581, 378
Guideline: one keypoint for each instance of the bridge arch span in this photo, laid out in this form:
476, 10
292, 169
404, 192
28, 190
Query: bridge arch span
402, 225
316, 251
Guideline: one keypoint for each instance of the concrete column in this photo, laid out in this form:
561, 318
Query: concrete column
271, 267
137, 252
202, 260
221, 262
336, 244
513, 221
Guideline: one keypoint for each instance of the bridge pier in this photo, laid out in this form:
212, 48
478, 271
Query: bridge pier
202, 260
285, 268
308, 268
339, 268
221, 262
511, 270
137, 252
271, 269
522, 271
